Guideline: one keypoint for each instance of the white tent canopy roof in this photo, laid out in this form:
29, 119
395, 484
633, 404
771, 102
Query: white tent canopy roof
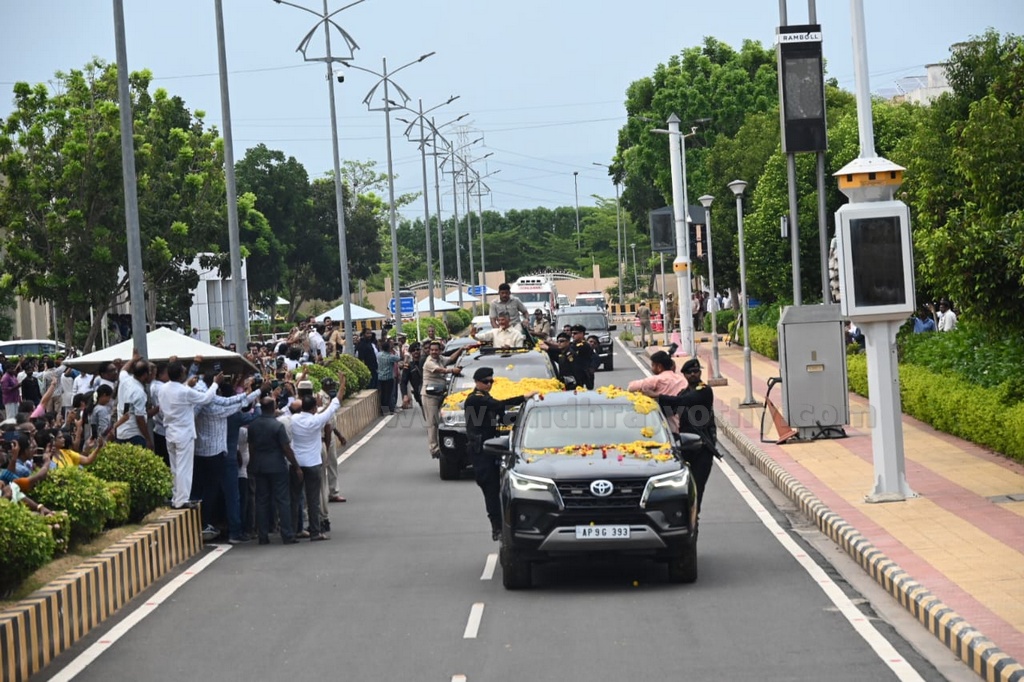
281, 301
439, 306
161, 345
453, 297
359, 313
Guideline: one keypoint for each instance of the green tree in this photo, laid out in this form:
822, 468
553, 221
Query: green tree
62, 202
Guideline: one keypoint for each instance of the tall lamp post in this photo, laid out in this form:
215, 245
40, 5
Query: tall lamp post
738, 187
436, 142
422, 140
387, 107
329, 60
619, 239
636, 279
716, 375
576, 191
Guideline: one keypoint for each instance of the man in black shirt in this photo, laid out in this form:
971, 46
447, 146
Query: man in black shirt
579, 357
483, 416
695, 406
270, 454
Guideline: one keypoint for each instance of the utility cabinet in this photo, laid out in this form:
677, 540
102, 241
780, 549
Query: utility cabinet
812, 360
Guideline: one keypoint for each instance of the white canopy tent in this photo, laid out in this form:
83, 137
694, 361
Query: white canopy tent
359, 313
439, 306
163, 344
453, 297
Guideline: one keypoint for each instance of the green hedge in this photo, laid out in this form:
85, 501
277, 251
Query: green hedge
723, 317
120, 494
409, 328
763, 340
455, 322
83, 496
962, 409
26, 544
148, 478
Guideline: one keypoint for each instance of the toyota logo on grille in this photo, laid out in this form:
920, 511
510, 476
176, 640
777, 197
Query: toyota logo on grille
601, 488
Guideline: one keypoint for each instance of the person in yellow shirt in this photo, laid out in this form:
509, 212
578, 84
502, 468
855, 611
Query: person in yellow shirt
63, 456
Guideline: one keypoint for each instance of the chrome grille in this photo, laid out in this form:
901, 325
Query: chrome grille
626, 493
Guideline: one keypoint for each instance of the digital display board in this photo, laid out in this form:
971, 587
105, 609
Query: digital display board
876, 253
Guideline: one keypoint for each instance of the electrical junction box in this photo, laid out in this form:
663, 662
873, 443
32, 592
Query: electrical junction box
812, 360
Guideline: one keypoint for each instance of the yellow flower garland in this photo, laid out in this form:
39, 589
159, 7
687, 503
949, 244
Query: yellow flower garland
506, 388
638, 449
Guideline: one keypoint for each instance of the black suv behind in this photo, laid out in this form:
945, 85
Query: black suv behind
592, 473
596, 321
451, 432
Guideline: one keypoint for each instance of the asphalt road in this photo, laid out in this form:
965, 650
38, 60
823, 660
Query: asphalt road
407, 589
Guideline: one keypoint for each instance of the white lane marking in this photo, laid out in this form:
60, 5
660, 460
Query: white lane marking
632, 356
352, 449
492, 561
879, 644
473, 626
134, 618
458, 678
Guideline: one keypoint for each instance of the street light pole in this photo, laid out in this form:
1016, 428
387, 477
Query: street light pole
636, 279
620, 239
576, 189
136, 289
388, 105
716, 375
239, 313
737, 187
480, 218
329, 60
680, 211
435, 135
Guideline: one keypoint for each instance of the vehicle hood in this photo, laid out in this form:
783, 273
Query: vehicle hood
560, 467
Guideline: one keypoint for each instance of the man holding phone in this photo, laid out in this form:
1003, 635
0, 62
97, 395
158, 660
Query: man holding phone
133, 399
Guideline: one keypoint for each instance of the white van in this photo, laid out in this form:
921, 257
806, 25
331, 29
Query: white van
536, 291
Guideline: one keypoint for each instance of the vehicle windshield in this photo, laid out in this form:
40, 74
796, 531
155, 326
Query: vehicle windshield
534, 296
592, 321
510, 369
591, 424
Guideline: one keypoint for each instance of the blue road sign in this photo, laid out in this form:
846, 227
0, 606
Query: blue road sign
408, 305
476, 290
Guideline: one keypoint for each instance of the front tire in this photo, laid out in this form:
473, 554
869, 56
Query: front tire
682, 568
609, 364
448, 466
516, 572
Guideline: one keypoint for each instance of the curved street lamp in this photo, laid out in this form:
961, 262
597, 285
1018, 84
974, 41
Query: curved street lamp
387, 107
329, 59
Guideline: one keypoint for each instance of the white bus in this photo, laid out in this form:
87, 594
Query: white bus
536, 291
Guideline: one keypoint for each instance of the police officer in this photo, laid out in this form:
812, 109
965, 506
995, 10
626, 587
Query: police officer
483, 416
695, 406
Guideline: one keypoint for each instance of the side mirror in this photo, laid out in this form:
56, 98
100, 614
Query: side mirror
688, 442
497, 447
612, 327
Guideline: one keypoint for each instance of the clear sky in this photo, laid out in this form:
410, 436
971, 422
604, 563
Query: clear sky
543, 81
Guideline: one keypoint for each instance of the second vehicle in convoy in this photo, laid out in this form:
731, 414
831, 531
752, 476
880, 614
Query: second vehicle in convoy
597, 324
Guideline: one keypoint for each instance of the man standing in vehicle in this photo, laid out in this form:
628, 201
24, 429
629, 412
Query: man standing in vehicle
508, 304
483, 416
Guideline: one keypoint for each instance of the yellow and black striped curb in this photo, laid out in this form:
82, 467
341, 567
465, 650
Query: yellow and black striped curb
964, 640
51, 619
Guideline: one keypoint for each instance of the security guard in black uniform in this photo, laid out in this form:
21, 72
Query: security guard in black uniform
695, 406
483, 416
579, 355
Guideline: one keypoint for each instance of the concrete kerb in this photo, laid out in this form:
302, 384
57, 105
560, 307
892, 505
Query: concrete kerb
965, 641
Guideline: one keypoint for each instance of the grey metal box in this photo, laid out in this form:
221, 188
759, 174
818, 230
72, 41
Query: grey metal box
812, 361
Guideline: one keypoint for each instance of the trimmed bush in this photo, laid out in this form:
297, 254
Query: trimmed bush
26, 544
357, 374
454, 322
409, 328
723, 317
148, 478
83, 496
764, 340
60, 527
120, 493
466, 316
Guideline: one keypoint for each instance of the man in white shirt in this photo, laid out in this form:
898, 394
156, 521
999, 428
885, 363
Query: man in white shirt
317, 345
159, 434
133, 399
947, 318
307, 438
502, 336
178, 401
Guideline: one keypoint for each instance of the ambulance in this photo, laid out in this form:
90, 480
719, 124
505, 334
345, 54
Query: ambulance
537, 291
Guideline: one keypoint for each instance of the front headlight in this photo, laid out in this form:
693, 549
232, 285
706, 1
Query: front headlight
453, 417
673, 480
523, 483
605, 339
